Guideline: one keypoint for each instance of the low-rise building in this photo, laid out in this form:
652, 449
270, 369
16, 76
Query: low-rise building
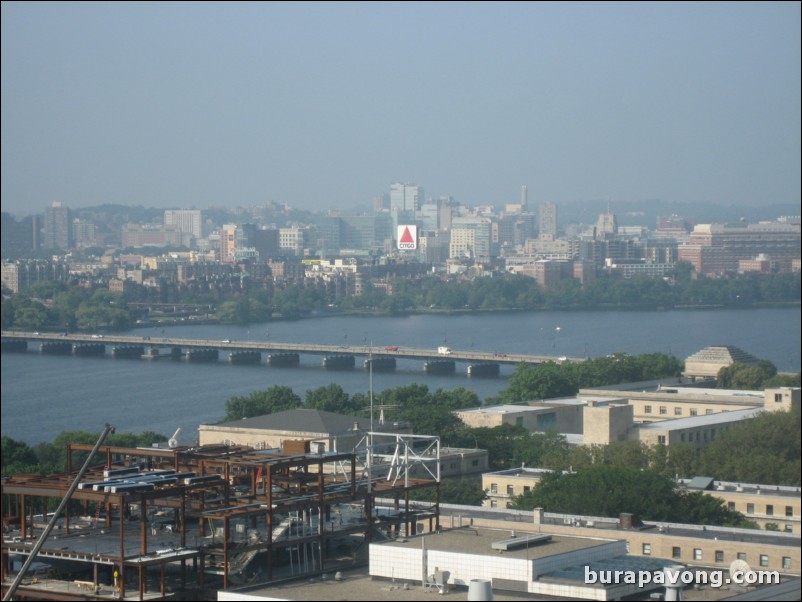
561, 415
502, 486
773, 507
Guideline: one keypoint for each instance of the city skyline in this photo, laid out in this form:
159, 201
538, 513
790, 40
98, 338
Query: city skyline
319, 106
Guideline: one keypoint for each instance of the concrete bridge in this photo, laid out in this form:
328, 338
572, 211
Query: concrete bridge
182, 347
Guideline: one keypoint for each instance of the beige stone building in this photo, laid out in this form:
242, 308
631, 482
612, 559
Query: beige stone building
773, 505
668, 402
763, 504
698, 431
326, 431
503, 485
705, 364
563, 416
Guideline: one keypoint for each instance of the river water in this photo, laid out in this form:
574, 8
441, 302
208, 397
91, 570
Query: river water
44, 395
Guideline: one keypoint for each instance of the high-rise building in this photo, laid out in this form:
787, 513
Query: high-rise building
607, 224
58, 227
228, 242
548, 221
188, 220
19, 238
83, 233
405, 197
471, 237
524, 197
405, 200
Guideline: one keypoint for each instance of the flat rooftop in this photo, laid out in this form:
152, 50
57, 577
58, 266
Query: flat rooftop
698, 421
355, 584
500, 409
480, 542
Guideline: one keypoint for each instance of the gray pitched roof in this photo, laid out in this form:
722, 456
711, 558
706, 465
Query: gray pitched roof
703, 483
313, 421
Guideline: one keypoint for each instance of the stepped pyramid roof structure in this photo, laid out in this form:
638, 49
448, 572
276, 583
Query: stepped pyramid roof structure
707, 362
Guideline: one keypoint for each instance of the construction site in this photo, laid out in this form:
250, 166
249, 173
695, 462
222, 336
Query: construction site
184, 522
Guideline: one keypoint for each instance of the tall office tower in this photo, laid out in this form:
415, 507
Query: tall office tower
548, 221
405, 200
405, 197
429, 215
58, 227
187, 220
524, 197
19, 238
228, 242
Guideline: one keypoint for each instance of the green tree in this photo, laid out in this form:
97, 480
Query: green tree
765, 449
539, 382
17, 456
275, 399
745, 376
611, 490
453, 491
330, 398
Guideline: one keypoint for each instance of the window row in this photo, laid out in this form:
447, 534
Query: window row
719, 556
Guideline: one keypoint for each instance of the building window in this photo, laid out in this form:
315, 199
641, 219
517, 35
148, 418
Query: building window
731, 506
682, 437
494, 503
475, 463
769, 510
719, 555
708, 412
493, 487
693, 412
647, 409
697, 553
750, 508
786, 562
661, 439
742, 556
663, 410
789, 528
527, 489
789, 511
677, 411
510, 490
519, 421
676, 552
764, 560
778, 397
647, 549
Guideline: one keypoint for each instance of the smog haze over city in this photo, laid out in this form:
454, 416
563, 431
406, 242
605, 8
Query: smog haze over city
323, 105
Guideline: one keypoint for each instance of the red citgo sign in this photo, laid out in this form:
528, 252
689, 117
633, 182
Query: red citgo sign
407, 238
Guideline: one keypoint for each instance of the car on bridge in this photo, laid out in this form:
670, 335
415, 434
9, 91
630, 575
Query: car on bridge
391, 348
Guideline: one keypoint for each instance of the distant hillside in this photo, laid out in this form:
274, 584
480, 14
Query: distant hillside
645, 213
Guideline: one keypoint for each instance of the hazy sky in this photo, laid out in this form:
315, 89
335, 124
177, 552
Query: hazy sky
324, 105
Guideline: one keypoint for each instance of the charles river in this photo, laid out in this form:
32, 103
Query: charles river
43, 395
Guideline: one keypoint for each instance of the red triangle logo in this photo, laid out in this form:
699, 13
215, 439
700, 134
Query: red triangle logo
407, 237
